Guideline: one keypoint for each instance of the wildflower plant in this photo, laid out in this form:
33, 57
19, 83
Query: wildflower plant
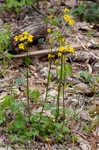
5, 44
22, 40
63, 49
34, 125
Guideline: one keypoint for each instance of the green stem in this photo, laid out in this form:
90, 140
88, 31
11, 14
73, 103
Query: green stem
27, 78
48, 81
46, 90
59, 89
63, 88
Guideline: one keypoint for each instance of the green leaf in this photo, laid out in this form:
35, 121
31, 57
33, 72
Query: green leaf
54, 113
67, 69
66, 129
35, 94
49, 106
41, 40
17, 106
46, 20
86, 128
29, 133
9, 56
13, 138
4, 62
74, 138
19, 121
7, 100
51, 10
85, 75
55, 21
27, 61
6, 26
2, 118
19, 81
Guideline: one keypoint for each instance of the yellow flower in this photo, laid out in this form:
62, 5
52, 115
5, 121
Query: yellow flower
71, 22
66, 50
25, 37
57, 37
62, 39
30, 38
59, 54
72, 50
22, 39
68, 45
61, 49
50, 16
21, 46
67, 17
50, 41
50, 56
16, 38
66, 10
65, 43
56, 61
25, 33
49, 30
20, 36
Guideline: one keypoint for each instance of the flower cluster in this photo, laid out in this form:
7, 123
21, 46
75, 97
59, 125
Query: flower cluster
63, 45
25, 36
70, 21
62, 49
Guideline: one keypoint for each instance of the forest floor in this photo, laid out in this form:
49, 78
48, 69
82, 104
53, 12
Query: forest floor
85, 78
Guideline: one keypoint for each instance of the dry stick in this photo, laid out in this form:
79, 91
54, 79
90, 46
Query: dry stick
42, 52
54, 51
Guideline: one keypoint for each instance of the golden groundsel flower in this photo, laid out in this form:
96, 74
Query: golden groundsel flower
59, 54
16, 38
22, 39
21, 46
67, 17
30, 38
61, 48
25, 33
50, 41
50, 56
71, 22
72, 50
66, 10
51, 16
49, 30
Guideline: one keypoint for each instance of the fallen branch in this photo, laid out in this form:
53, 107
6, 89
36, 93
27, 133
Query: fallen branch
54, 51
43, 52
35, 53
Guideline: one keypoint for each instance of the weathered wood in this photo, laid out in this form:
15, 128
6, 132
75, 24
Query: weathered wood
31, 21
27, 20
78, 57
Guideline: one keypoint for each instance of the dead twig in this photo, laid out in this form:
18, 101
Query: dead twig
43, 52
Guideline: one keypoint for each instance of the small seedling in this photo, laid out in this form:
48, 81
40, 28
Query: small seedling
86, 128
